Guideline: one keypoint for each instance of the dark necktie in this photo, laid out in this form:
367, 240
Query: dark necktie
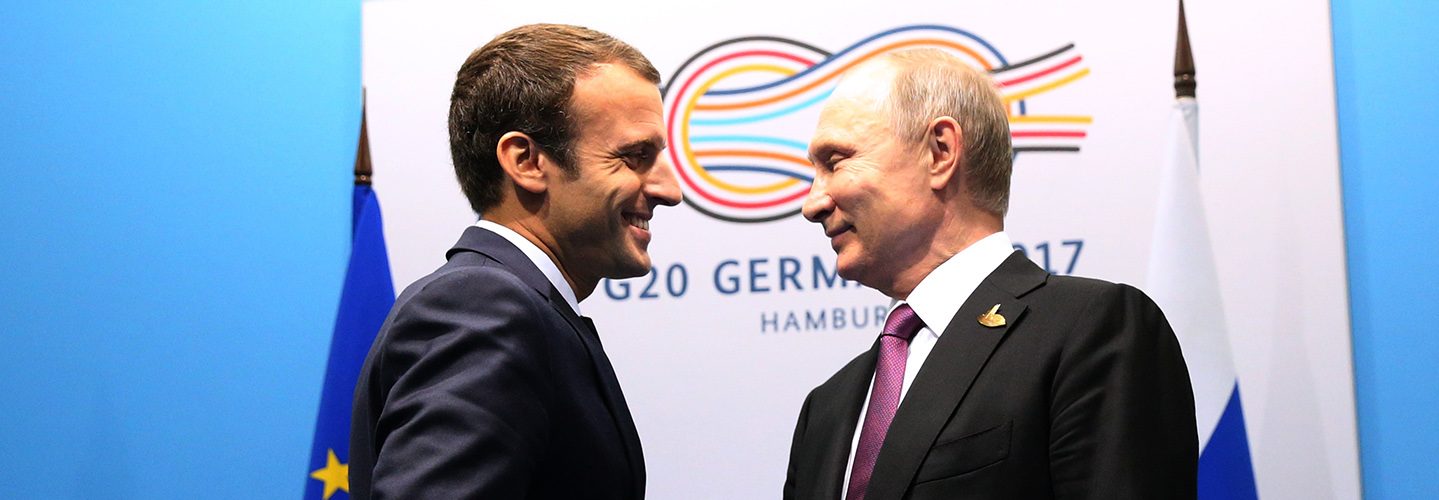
594, 332
884, 396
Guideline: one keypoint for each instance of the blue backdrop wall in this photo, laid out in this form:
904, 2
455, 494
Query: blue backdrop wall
175, 204
1385, 69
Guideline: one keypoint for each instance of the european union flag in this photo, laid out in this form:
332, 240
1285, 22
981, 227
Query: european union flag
364, 303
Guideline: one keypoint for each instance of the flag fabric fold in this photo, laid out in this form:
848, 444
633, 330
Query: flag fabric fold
365, 300
1184, 281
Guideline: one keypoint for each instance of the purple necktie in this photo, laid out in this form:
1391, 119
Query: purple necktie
884, 397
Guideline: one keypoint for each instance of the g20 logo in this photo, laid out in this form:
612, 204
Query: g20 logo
740, 112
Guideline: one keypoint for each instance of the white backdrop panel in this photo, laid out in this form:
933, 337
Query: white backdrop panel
715, 375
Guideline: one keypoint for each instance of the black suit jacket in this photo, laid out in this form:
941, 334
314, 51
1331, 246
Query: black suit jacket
484, 383
1082, 394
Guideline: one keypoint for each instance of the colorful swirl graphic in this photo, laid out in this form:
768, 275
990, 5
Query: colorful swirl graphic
739, 112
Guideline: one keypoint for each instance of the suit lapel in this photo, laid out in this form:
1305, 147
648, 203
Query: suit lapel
501, 250
609, 384
948, 373
619, 409
839, 415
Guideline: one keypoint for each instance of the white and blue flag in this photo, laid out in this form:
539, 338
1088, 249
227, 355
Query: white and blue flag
1184, 282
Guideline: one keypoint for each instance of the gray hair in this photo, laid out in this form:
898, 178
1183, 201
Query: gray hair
930, 83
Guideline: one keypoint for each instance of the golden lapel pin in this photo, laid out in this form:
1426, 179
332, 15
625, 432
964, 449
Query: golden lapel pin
992, 318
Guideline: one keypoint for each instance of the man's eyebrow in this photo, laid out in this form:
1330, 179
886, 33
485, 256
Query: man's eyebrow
818, 151
821, 152
656, 142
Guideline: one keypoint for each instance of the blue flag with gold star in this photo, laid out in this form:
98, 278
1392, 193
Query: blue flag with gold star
364, 303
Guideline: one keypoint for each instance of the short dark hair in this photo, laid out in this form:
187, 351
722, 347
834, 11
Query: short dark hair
523, 81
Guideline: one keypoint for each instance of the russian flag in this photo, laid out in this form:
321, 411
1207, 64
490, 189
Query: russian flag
1185, 284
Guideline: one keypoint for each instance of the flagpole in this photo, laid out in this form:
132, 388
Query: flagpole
1184, 82
1184, 281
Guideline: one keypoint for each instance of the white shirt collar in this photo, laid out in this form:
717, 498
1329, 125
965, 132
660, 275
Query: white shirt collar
539, 257
934, 299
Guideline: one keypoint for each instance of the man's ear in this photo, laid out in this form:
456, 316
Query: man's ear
520, 159
944, 143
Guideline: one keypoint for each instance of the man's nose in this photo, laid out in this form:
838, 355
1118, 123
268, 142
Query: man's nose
818, 204
662, 185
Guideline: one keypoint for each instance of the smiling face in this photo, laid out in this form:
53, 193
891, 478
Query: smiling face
871, 190
599, 216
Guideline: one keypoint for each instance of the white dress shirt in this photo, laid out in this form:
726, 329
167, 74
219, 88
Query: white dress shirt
935, 300
539, 257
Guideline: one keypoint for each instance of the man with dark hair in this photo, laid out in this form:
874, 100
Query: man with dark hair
485, 381
991, 378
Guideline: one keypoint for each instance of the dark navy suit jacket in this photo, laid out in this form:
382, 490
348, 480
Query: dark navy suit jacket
1083, 393
484, 383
